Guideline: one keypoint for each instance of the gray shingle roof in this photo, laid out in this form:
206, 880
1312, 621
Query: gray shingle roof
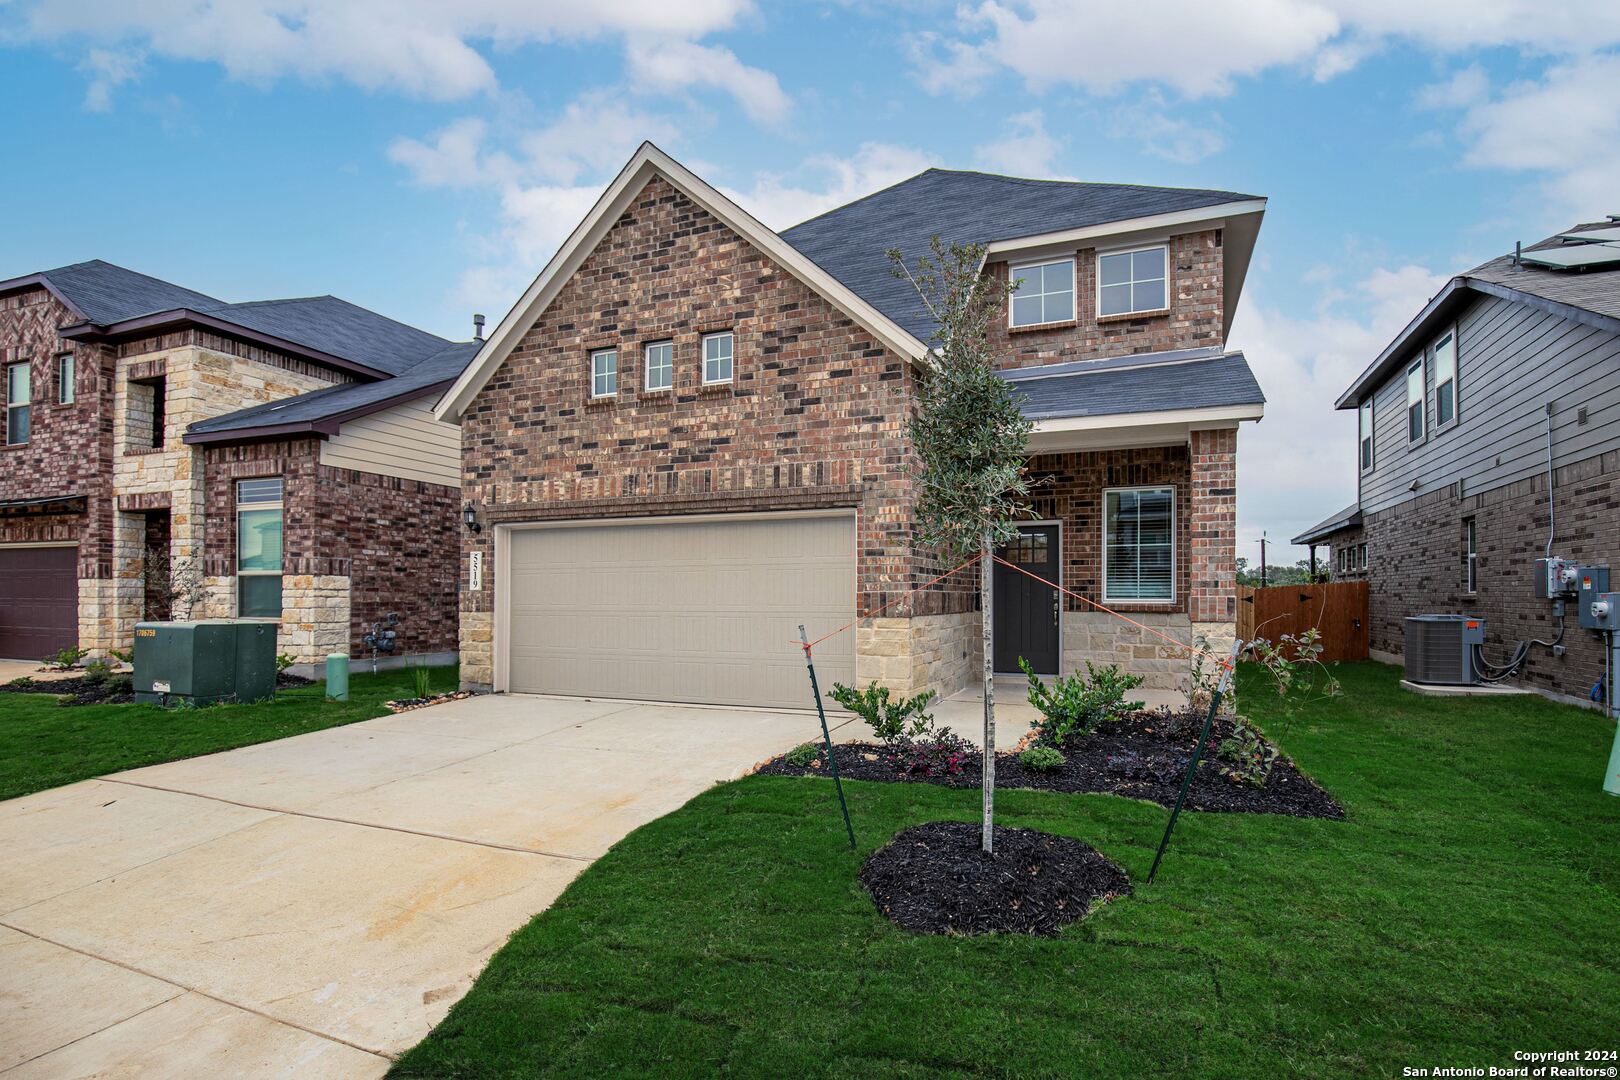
321, 405
105, 293
1150, 382
1596, 290
1350, 515
965, 207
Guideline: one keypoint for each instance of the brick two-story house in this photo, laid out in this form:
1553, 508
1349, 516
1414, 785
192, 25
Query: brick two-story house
170, 454
1488, 436
690, 435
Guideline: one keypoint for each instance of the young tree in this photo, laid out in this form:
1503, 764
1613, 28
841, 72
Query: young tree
969, 437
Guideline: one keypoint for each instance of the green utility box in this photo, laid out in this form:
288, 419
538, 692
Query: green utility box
199, 663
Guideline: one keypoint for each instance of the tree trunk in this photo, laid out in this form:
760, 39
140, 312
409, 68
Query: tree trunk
987, 573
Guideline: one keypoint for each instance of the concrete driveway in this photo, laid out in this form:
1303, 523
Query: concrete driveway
312, 907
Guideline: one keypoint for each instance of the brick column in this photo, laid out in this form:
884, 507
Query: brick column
1212, 573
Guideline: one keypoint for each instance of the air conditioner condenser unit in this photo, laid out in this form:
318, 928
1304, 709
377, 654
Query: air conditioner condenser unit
1440, 649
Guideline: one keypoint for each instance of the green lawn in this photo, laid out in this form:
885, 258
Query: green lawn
44, 745
1469, 907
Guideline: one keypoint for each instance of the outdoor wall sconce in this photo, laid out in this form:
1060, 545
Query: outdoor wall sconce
469, 516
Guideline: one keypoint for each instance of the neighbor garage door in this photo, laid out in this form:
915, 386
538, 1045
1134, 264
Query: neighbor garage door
39, 601
702, 610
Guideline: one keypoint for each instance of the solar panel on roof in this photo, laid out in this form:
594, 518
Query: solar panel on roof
1575, 256
1592, 236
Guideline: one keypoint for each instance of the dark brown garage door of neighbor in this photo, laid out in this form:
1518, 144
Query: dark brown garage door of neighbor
39, 601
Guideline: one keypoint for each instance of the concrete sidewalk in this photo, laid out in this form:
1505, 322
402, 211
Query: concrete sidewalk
312, 907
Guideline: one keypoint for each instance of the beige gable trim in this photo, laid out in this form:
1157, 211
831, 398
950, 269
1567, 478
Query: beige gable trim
647, 162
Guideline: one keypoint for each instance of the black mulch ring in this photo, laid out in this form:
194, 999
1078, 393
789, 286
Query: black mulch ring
934, 879
1143, 756
286, 679
113, 690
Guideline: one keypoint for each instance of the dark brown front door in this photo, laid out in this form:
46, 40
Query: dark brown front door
39, 601
1026, 610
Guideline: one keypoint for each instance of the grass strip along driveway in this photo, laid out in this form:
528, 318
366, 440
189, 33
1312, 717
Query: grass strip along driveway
44, 744
1468, 907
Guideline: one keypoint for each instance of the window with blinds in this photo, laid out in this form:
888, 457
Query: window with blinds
1139, 544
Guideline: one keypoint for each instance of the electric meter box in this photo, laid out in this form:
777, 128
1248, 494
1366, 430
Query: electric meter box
1593, 583
1555, 579
1602, 613
203, 662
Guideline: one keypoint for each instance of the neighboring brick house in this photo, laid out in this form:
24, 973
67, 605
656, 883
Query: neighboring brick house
1511, 370
690, 436
149, 426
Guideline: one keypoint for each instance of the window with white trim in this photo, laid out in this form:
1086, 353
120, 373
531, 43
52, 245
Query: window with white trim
1445, 379
1042, 292
1366, 422
19, 402
604, 373
258, 548
1415, 401
660, 366
66, 371
1139, 544
1470, 555
1130, 282
717, 357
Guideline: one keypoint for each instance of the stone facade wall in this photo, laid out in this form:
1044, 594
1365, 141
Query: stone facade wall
355, 546
1195, 317
69, 450
1415, 557
941, 653
814, 416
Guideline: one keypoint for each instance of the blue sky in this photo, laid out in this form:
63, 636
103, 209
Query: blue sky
423, 159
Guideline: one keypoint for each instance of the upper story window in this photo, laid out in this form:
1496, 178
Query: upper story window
1366, 421
1139, 544
717, 357
1042, 292
19, 401
604, 373
660, 366
1133, 282
1445, 379
66, 370
1415, 401
258, 548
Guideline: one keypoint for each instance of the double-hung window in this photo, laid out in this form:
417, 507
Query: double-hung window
65, 372
1470, 555
604, 373
1132, 282
1139, 544
1042, 292
258, 548
1415, 401
660, 366
1366, 422
19, 399
1445, 379
717, 357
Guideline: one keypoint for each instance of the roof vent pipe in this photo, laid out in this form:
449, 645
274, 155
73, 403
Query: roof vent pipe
478, 327
1517, 248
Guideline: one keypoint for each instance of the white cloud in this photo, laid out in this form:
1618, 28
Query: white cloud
1165, 135
424, 48
1197, 48
1297, 465
1465, 87
455, 158
1026, 150
108, 69
672, 66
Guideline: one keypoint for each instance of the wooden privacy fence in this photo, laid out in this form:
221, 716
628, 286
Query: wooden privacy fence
1338, 610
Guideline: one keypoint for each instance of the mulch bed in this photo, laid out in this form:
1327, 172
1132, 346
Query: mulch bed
285, 680
113, 690
1143, 756
934, 879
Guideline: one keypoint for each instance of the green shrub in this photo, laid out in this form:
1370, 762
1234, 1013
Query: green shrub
1073, 705
422, 682
802, 755
283, 662
1246, 757
123, 656
96, 672
892, 720
63, 659
1041, 758
22, 681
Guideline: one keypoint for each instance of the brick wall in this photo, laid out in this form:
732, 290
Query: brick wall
1212, 526
1194, 318
1415, 565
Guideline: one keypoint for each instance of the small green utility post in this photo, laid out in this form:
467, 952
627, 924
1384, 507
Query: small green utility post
1611, 779
337, 677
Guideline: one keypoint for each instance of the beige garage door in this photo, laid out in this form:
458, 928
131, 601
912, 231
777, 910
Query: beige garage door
701, 610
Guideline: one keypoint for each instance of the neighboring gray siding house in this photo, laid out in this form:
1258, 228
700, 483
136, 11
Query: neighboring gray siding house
1511, 367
